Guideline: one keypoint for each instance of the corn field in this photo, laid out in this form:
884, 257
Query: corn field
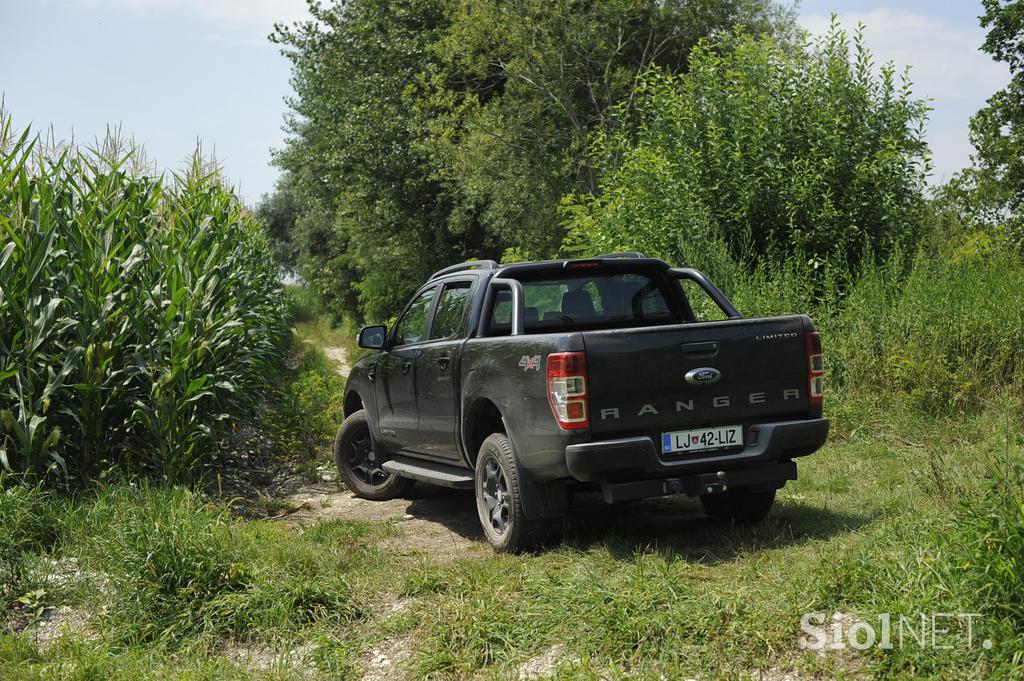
139, 315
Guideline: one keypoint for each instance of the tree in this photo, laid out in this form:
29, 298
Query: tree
372, 217
992, 191
426, 132
278, 212
521, 86
757, 153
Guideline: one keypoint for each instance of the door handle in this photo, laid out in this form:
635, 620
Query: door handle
406, 365
705, 349
443, 361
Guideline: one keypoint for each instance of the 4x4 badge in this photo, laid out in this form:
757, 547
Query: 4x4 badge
528, 363
703, 376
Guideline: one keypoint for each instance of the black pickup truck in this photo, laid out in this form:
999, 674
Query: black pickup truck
530, 381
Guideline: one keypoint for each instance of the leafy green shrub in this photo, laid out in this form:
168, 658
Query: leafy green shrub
309, 405
758, 153
303, 305
137, 316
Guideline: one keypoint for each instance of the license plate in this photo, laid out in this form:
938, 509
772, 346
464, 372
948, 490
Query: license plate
703, 439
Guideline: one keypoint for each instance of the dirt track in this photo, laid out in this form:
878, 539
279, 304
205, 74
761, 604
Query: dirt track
433, 520
338, 356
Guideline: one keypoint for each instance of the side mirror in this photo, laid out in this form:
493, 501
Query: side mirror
372, 337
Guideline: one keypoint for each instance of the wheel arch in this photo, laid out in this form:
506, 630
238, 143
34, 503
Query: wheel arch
483, 418
353, 403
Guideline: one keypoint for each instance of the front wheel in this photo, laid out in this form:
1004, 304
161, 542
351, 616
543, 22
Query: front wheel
499, 499
359, 465
741, 504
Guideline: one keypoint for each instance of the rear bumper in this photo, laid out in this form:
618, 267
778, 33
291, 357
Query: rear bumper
769, 446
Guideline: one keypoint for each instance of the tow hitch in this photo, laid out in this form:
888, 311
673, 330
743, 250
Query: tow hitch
767, 476
709, 483
713, 483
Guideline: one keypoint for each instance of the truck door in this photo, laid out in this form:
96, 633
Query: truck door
396, 385
437, 372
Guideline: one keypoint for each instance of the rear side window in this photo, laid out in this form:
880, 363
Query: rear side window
585, 301
451, 308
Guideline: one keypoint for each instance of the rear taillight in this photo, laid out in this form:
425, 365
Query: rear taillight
567, 389
815, 368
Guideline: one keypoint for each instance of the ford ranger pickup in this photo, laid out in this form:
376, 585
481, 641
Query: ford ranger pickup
529, 382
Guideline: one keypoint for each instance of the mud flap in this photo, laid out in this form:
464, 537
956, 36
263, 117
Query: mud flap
547, 500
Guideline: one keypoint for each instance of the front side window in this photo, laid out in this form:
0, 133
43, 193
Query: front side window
413, 324
451, 308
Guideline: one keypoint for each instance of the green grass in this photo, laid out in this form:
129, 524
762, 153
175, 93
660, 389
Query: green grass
322, 333
302, 304
26, 514
872, 526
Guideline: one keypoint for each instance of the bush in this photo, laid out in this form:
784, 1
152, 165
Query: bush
760, 152
309, 405
137, 316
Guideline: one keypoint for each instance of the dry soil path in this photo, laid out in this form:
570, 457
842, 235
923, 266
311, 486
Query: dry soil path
337, 355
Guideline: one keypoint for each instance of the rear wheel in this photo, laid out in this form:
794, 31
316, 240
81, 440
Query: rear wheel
742, 504
359, 465
499, 499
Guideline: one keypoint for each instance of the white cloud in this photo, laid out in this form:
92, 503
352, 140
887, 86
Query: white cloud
951, 151
244, 15
945, 60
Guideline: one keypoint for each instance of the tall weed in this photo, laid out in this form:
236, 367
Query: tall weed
28, 516
944, 334
988, 545
949, 336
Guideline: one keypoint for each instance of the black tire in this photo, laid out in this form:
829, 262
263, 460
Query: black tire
358, 465
741, 505
499, 499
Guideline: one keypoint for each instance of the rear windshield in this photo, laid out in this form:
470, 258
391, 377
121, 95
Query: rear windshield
585, 301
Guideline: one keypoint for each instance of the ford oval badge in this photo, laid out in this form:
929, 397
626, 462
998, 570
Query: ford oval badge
703, 376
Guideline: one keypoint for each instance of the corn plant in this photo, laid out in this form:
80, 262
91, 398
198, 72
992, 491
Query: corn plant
138, 315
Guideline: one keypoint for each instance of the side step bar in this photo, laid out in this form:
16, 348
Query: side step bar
430, 471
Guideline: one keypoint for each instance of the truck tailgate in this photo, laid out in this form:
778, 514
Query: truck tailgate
638, 385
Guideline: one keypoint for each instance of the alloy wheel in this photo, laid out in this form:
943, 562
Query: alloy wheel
363, 461
496, 496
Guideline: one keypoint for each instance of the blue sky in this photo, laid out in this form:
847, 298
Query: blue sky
171, 72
